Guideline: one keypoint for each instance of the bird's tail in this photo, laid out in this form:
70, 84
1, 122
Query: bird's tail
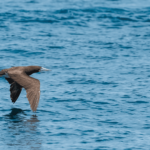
2, 72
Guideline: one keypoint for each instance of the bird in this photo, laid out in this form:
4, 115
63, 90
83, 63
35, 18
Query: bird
18, 78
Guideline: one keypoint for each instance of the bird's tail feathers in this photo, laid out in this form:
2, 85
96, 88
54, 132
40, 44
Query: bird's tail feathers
2, 72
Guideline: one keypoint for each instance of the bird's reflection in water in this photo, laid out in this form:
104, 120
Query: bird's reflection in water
22, 132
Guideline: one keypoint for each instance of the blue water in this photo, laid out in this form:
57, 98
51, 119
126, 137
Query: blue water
97, 96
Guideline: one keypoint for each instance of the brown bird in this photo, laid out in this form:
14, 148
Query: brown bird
18, 78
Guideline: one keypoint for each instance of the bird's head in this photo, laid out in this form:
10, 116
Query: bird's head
34, 69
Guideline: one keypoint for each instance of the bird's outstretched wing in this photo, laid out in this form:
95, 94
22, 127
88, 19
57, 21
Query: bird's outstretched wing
15, 89
10, 81
31, 85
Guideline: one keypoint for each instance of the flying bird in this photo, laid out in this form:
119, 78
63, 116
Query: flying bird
18, 78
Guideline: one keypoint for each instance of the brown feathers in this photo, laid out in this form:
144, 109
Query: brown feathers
18, 78
15, 90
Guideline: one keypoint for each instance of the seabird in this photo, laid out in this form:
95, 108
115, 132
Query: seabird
18, 78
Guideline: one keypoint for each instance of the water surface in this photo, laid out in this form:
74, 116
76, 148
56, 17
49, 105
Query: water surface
97, 96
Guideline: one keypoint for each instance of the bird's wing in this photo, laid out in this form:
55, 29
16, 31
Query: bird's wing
10, 81
15, 89
31, 85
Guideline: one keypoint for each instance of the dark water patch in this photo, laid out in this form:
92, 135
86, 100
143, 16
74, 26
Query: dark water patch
16, 115
75, 23
126, 19
103, 139
7, 15
101, 103
84, 81
65, 11
56, 47
75, 109
14, 112
8, 57
131, 109
46, 34
146, 127
147, 20
100, 42
104, 9
63, 134
141, 96
126, 96
34, 54
116, 18
54, 58
92, 10
35, 11
108, 83
84, 142
48, 112
66, 18
125, 47
76, 67
127, 132
32, 1
76, 34
89, 131
105, 58
67, 100
73, 92
138, 102
36, 20
119, 137
3, 26
111, 122
14, 51
71, 100
117, 10
102, 148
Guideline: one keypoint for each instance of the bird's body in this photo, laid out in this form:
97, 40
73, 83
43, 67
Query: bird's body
18, 78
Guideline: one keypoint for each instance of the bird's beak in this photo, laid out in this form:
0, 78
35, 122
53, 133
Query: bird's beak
44, 69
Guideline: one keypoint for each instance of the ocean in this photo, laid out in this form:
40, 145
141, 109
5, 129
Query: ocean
97, 94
